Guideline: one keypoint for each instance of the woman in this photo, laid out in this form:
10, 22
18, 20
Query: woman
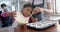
44, 6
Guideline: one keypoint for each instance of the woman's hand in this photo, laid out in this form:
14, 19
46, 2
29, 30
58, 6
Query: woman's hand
48, 11
37, 9
14, 13
8, 14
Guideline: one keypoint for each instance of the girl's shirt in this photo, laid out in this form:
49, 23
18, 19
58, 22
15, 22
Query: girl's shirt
27, 18
21, 19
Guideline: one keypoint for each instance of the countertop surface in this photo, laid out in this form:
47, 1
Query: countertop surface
55, 28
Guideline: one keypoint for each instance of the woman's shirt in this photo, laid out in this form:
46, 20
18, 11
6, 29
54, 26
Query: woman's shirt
36, 2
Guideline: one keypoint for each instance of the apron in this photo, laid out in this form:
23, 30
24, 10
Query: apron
38, 15
39, 5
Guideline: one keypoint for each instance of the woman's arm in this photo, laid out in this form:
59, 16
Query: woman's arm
49, 7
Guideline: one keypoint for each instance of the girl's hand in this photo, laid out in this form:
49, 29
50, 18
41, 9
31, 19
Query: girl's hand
34, 19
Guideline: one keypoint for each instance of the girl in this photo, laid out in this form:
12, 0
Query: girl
23, 17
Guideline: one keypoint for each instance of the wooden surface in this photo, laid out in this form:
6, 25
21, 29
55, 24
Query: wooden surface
55, 28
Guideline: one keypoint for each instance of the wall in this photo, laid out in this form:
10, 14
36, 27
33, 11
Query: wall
8, 2
58, 6
22, 2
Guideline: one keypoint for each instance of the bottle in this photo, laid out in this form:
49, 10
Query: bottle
43, 19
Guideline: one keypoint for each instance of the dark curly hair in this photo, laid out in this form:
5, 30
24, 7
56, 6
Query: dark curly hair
3, 5
27, 5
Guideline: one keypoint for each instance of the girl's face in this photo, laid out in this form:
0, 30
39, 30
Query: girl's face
27, 11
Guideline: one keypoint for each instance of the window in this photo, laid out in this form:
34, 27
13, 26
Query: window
57, 6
